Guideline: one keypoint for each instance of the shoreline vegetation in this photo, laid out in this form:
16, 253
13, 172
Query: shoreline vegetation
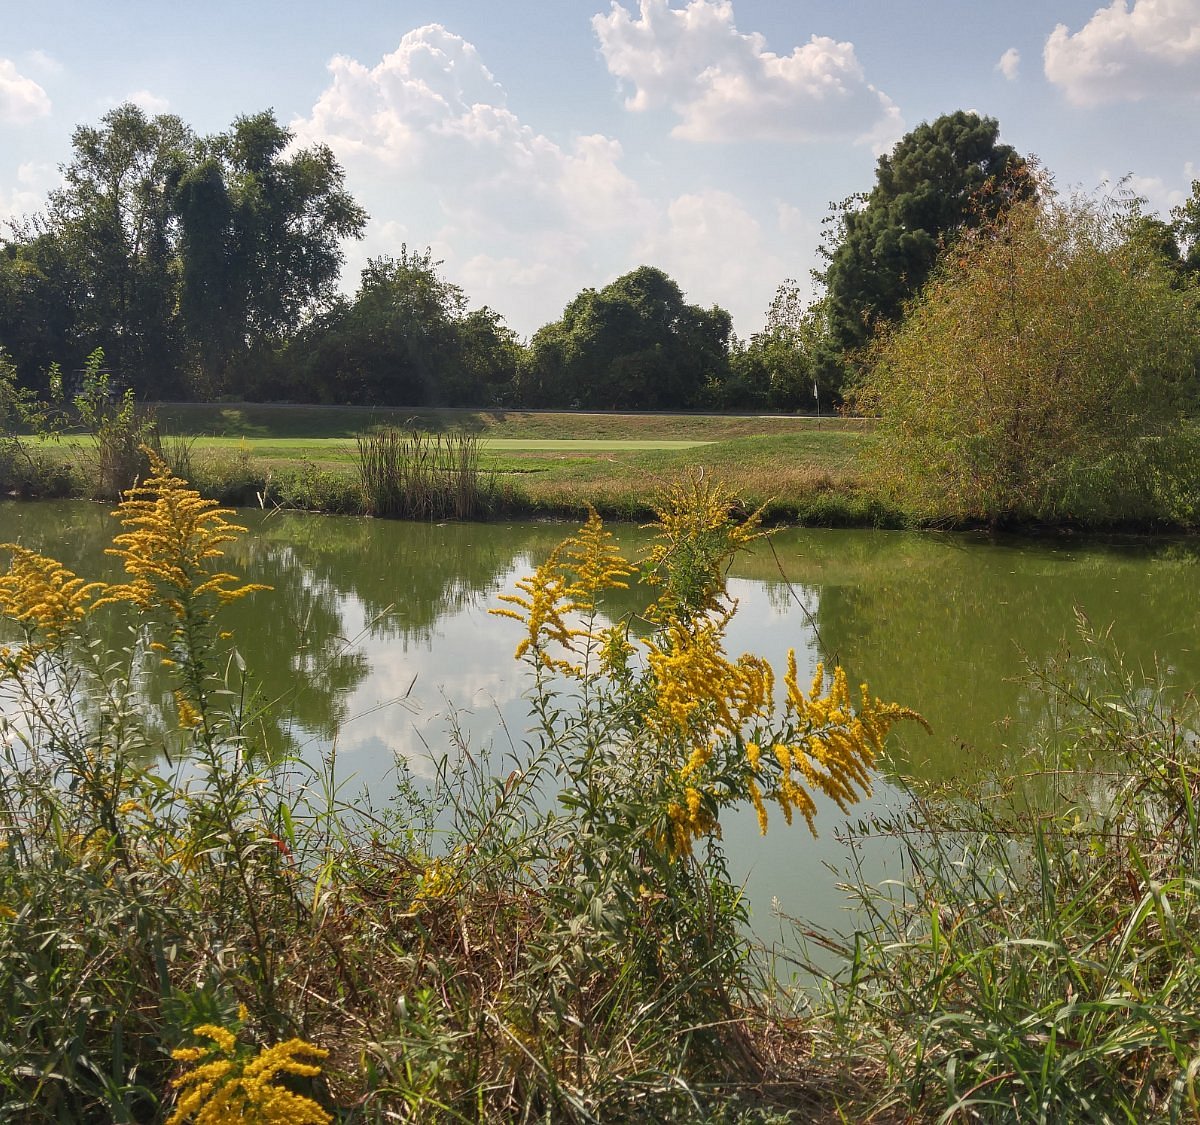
802, 470
192, 930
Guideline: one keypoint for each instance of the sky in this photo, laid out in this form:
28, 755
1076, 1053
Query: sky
539, 147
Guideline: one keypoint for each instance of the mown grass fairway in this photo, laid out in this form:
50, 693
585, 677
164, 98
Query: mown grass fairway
804, 469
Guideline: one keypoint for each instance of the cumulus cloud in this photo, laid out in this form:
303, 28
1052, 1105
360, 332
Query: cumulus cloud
44, 62
147, 101
721, 254
21, 99
1125, 53
1010, 64
1159, 194
726, 85
522, 220
432, 109
427, 131
33, 182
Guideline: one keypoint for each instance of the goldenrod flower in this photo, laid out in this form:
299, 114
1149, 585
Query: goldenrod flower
439, 880
696, 538
596, 561
705, 718
224, 1087
42, 595
189, 715
173, 534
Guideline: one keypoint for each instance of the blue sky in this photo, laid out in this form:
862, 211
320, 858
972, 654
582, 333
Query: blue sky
540, 147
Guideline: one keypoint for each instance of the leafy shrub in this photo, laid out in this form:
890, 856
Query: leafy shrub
1043, 374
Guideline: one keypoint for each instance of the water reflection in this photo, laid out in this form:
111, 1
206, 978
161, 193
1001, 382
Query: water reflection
377, 632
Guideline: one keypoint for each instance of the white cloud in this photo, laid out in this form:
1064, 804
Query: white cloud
1160, 196
721, 254
521, 220
33, 182
1010, 64
44, 62
148, 102
725, 85
1155, 191
434, 84
21, 99
431, 110
425, 135
1126, 53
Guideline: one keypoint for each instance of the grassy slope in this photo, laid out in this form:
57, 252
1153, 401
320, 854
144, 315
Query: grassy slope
560, 461
269, 421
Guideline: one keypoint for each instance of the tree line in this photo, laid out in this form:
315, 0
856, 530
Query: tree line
208, 266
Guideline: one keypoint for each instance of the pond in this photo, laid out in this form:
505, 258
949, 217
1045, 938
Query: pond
377, 633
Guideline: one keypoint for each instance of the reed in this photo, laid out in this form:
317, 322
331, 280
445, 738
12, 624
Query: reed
420, 476
1040, 960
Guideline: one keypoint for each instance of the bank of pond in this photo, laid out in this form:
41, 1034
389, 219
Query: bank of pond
999, 932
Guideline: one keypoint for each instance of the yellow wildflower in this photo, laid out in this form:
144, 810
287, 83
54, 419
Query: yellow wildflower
439, 880
696, 537
548, 596
42, 595
596, 561
189, 714
691, 704
569, 582
697, 686
173, 534
223, 1086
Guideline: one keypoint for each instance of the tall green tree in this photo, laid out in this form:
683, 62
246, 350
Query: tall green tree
181, 256
789, 365
406, 339
42, 295
114, 218
1185, 223
262, 233
943, 177
634, 344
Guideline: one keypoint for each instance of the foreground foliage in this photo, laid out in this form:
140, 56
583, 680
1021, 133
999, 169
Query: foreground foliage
190, 927
1038, 961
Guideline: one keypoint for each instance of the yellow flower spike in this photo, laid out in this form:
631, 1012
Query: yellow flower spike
189, 714
597, 563
225, 1040
172, 533
224, 1086
697, 760
440, 880
548, 596
568, 582
42, 595
759, 808
695, 705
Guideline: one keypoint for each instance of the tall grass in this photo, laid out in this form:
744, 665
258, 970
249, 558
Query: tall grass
419, 476
1042, 965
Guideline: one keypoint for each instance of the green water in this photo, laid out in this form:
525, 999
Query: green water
376, 632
